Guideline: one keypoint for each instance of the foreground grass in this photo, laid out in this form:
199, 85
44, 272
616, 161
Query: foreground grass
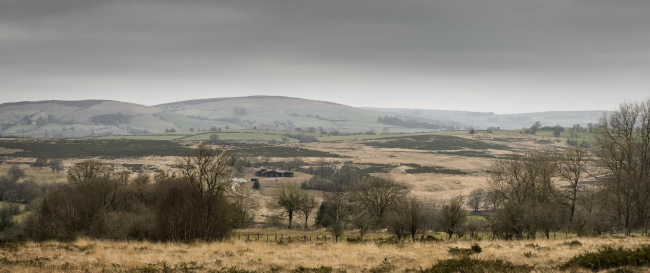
86, 255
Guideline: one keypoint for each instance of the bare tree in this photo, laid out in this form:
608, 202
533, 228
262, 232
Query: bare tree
475, 199
623, 147
40, 162
207, 169
572, 168
56, 165
520, 186
207, 176
87, 171
307, 206
214, 138
287, 200
378, 195
452, 216
523, 177
245, 207
340, 207
409, 218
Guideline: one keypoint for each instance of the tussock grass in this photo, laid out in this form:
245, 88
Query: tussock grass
86, 255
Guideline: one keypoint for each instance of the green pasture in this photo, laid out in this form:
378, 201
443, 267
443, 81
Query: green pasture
204, 113
38, 175
151, 123
145, 137
185, 122
15, 129
240, 136
336, 114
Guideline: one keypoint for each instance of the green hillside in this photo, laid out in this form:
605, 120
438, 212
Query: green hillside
280, 114
104, 118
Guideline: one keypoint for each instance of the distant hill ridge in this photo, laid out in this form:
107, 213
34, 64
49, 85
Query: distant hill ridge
201, 101
56, 118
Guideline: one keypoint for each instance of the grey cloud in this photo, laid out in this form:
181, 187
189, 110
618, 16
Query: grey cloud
558, 38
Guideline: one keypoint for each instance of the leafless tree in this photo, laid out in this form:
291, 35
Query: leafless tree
56, 165
208, 169
307, 206
87, 171
523, 177
623, 147
40, 162
245, 207
452, 216
409, 218
341, 207
572, 168
523, 185
287, 200
377, 195
475, 199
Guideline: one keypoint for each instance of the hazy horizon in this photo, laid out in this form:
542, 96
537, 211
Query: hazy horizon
504, 56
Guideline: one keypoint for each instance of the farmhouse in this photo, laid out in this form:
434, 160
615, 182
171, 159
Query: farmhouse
273, 173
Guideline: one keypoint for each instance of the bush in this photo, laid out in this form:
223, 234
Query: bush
384, 267
609, 257
322, 269
574, 243
468, 265
476, 248
465, 252
354, 240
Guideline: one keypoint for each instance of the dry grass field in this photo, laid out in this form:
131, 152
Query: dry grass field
260, 256
240, 255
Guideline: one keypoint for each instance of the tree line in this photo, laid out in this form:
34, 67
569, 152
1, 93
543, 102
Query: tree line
194, 204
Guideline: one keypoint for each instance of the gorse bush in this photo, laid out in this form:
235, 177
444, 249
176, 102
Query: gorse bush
465, 251
468, 265
574, 243
609, 257
476, 248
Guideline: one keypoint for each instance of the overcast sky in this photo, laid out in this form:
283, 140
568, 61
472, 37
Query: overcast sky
503, 56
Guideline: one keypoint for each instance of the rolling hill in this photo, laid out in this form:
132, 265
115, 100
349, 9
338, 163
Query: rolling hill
483, 120
66, 119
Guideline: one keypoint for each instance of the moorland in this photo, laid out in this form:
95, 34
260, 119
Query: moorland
438, 171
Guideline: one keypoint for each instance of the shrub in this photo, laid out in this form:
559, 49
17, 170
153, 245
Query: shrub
322, 269
476, 248
468, 265
609, 257
574, 243
384, 267
354, 240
